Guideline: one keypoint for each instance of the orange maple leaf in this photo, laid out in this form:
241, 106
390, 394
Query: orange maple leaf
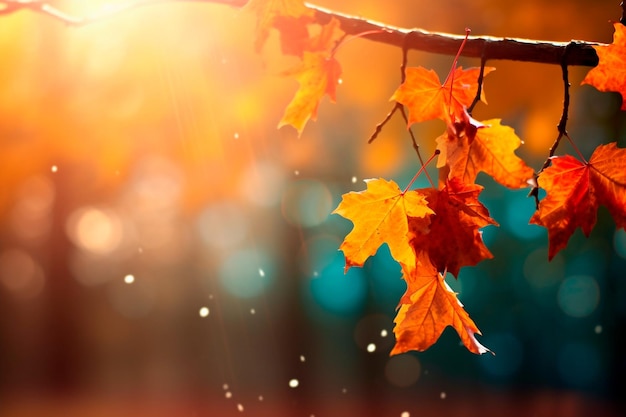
380, 215
427, 308
318, 75
452, 238
427, 99
489, 148
610, 73
295, 38
575, 190
269, 11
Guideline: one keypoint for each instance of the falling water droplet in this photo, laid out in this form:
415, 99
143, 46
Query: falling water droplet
129, 279
240, 407
598, 329
302, 358
236, 135
383, 333
260, 398
354, 180
204, 311
54, 168
293, 383
442, 395
261, 272
405, 414
252, 311
371, 347
228, 394
296, 172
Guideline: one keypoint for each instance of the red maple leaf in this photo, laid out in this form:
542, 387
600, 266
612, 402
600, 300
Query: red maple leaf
575, 189
452, 238
610, 73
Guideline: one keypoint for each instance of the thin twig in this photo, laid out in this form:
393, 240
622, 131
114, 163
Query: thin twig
561, 127
416, 146
396, 106
379, 126
481, 76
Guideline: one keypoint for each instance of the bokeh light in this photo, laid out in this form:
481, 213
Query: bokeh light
541, 273
20, 273
223, 225
619, 242
239, 272
99, 231
262, 184
306, 203
336, 292
578, 295
403, 370
32, 210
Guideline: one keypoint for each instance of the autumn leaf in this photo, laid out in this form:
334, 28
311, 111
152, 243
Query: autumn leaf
270, 11
490, 148
295, 38
427, 308
380, 215
427, 99
294, 34
452, 238
610, 73
575, 190
318, 75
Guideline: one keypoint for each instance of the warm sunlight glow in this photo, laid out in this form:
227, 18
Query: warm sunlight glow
94, 230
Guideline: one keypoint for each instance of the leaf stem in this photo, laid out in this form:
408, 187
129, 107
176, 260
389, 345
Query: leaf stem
422, 169
349, 38
453, 68
580, 155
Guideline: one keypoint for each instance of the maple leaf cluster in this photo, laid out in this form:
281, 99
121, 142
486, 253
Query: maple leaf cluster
318, 72
434, 231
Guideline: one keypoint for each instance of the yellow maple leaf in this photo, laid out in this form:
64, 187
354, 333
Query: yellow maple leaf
380, 215
318, 74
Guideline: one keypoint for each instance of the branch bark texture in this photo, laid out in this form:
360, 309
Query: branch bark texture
579, 53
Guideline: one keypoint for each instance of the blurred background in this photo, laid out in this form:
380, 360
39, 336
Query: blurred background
166, 251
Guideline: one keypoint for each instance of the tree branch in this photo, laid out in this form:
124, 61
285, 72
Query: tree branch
580, 53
